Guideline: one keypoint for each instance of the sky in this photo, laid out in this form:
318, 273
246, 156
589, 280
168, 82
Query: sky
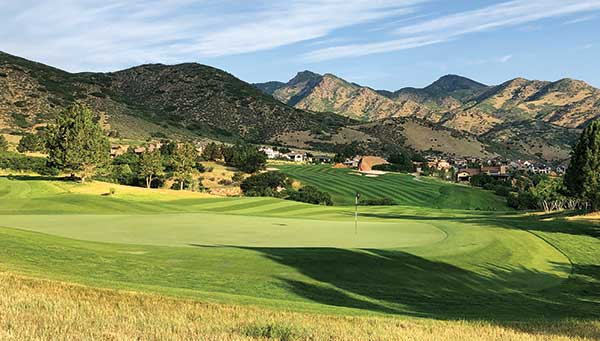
384, 44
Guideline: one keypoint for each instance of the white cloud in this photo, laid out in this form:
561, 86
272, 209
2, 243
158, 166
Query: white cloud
580, 20
296, 21
588, 46
452, 26
357, 50
505, 59
107, 34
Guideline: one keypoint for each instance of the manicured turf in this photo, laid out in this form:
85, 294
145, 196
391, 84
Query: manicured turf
414, 261
404, 189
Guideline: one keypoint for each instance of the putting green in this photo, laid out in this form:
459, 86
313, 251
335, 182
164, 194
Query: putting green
221, 229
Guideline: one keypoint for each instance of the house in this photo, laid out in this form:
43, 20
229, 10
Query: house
271, 153
296, 156
493, 171
116, 150
464, 175
151, 147
321, 159
439, 164
353, 162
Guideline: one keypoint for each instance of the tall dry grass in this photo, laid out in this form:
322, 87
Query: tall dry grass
47, 310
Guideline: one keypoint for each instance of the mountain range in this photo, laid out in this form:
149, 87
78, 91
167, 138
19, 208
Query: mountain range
186, 99
517, 118
454, 115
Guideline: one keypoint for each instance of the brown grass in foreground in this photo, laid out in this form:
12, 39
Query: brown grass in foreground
39, 309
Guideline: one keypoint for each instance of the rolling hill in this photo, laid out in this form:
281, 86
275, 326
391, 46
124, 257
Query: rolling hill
185, 99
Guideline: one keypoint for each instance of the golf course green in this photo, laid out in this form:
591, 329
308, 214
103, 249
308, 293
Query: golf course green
440, 254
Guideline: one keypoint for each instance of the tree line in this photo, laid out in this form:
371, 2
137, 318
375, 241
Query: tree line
77, 145
578, 189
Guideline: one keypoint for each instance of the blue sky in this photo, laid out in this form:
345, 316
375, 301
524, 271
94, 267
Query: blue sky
385, 44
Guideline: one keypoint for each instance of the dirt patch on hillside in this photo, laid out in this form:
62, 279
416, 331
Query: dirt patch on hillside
424, 138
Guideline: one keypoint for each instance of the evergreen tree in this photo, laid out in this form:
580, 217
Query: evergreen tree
245, 157
151, 166
31, 143
183, 162
76, 144
3, 144
583, 176
212, 152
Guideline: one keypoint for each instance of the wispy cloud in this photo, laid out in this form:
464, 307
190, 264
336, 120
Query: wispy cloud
295, 21
357, 50
588, 46
580, 20
505, 59
104, 34
452, 26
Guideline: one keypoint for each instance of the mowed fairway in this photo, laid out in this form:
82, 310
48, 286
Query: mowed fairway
404, 189
403, 260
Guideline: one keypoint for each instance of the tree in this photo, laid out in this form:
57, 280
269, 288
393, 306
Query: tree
401, 162
123, 174
31, 143
183, 162
266, 184
3, 144
76, 144
310, 194
582, 178
212, 152
151, 166
245, 157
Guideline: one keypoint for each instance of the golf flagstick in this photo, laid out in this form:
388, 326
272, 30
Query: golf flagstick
356, 213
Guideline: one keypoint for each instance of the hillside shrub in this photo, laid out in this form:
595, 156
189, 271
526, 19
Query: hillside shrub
522, 200
3, 144
269, 184
245, 157
237, 177
31, 143
22, 163
310, 195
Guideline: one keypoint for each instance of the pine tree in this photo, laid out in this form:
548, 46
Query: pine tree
183, 161
76, 144
151, 166
583, 176
212, 152
31, 143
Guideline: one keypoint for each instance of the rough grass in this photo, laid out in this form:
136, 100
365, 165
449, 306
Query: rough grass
33, 309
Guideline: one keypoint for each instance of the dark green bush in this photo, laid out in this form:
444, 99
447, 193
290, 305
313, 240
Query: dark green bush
245, 157
264, 184
311, 195
22, 163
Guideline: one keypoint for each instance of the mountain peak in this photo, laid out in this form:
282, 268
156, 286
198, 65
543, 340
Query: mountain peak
304, 76
451, 83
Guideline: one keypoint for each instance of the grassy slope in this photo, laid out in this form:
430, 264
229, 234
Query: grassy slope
402, 188
484, 268
83, 313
